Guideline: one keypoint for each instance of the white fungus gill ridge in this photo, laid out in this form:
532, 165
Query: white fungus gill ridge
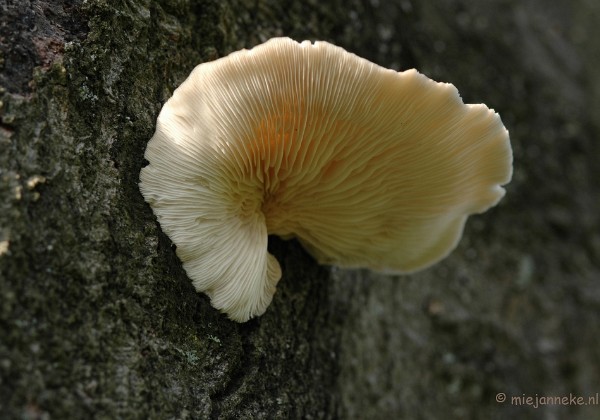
367, 167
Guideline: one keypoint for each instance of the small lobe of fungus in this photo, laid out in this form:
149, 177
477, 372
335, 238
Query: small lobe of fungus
366, 166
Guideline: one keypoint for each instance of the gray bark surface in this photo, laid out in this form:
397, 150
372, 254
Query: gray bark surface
98, 319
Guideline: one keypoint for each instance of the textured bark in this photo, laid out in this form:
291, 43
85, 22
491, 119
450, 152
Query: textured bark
97, 316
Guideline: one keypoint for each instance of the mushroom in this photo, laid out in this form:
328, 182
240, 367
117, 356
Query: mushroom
365, 166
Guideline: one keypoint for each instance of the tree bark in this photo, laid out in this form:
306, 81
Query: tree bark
98, 319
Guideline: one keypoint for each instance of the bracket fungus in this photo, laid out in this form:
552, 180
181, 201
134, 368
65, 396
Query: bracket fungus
365, 166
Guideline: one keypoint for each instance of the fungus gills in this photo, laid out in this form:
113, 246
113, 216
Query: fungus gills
366, 166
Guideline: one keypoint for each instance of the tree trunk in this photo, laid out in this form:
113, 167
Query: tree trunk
97, 316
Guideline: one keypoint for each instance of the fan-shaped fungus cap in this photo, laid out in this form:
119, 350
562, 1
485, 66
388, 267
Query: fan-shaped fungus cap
367, 167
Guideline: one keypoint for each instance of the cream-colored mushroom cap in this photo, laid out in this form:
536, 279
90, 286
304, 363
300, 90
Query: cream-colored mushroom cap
367, 167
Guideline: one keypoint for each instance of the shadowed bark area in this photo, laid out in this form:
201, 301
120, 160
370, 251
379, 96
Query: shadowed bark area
97, 316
